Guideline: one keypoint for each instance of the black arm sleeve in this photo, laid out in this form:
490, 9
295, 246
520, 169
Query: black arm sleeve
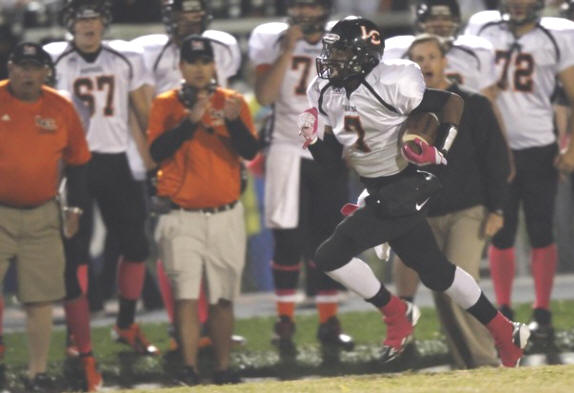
242, 140
167, 143
433, 101
491, 151
327, 152
77, 186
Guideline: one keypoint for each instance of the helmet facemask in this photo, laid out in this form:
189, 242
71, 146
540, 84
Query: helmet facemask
182, 18
78, 9
309, 24
438, 18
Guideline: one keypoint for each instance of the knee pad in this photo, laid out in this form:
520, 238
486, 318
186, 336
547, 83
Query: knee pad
440, 277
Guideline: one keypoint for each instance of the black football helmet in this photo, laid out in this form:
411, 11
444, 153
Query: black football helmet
447, 11
351, 49
171, 11
309, 25
82, 9
567, 9
531, 12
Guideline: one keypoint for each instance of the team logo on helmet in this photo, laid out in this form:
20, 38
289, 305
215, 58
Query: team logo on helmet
350, 50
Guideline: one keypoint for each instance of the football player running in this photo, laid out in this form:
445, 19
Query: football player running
161, 55
302, 198
109, 78
531, 52
364, 102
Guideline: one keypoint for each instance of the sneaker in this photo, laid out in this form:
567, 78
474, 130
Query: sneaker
511, 348
134, 337
188, 377
72, 350
330, 334
507, 312
93, 378
41, 383
284, 330
226, 377
400, 329
542, 331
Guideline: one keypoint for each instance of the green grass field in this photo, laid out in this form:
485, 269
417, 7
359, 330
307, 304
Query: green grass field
259, 359
547, 379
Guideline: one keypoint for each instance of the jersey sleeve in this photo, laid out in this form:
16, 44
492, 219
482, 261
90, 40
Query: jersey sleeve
479, 19
566, 45
313, 95
157, 117
76, 151
141, 75
264, 47
409, 89
246, 118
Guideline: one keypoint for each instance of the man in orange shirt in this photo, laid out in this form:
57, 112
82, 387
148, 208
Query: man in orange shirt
39, 131
199, 133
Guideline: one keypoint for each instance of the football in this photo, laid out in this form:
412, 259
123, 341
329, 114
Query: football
423, 125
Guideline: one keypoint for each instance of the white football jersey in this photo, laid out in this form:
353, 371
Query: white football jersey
264, 49
103, 86
368, 123
470, 59
162, 58
527, 68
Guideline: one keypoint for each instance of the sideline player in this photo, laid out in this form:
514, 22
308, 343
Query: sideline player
302, 198
531, 52
109, 79
364, 102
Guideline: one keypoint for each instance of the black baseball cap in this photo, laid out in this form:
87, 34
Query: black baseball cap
195, 46
30, 52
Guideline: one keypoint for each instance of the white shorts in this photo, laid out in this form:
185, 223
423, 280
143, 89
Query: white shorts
194, 244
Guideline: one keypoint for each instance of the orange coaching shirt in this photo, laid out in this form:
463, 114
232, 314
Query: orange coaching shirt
35, 137
205, 170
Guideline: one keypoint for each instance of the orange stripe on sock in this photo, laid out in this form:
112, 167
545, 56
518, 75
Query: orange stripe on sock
326, 311
286, 308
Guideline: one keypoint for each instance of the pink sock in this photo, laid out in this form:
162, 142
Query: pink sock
543, 269
502, 273
130, 279
166, 290
82, 274
202, 304
78, 320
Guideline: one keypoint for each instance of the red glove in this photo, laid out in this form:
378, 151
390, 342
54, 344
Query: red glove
307, 124
420, 153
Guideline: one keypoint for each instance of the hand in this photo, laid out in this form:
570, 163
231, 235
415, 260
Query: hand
292, 35
420, 153
493, 223
232, 107
71, 223
307, 124
203, 102
565, 161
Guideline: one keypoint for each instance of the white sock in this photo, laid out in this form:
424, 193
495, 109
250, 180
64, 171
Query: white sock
358, 277
464, 290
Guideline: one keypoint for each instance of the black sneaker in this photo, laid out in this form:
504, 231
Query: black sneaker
542, 331
226, 377
41, 383
188, 377
284, 330
507, 312
330, 334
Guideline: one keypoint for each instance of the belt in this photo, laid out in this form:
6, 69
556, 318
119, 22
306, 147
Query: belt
206, 210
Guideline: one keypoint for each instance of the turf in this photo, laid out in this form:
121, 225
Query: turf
547, 379
259, 359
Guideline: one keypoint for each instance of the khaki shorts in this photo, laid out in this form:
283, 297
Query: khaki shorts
194, 244
32, 238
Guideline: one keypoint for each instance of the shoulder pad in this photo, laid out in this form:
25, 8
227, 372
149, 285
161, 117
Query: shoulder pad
473, 42
220, 36
556, 24
150, 41
55, 49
